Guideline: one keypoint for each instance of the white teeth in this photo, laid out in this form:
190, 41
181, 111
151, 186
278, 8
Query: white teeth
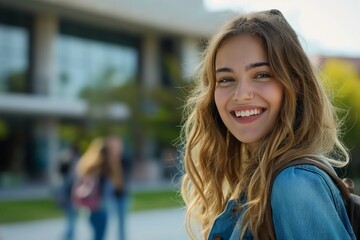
248, 113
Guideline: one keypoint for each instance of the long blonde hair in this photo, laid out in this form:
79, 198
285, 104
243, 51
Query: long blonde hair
102, 158
217, 165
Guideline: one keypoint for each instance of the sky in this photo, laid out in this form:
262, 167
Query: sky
325, 27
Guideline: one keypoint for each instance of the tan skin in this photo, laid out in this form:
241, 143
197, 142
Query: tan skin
247, 97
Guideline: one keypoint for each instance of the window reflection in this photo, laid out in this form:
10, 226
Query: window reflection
13, 59
83, 63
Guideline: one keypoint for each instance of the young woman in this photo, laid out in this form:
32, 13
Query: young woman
258, 105
103, 159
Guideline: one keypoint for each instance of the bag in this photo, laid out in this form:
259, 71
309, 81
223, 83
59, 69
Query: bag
346, 187
86, 193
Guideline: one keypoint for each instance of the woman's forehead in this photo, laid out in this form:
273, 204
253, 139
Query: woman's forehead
240, 50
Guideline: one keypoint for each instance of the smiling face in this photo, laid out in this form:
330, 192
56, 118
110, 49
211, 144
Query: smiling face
247, 97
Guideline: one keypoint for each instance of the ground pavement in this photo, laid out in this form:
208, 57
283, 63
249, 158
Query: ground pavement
164, 224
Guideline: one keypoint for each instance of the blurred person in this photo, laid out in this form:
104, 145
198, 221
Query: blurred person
68, 158
259, 106
121, 193
103, 159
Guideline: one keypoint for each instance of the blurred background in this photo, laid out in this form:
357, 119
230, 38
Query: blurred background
74, 70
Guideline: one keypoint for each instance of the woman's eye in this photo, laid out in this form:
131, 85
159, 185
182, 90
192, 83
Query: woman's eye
263, 75
224, 81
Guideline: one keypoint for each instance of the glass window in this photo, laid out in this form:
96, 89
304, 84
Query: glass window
20, 159
14, 49
85, 60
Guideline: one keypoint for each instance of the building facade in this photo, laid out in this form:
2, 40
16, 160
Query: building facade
53, 51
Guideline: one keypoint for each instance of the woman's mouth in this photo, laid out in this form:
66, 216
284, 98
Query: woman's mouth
248, 112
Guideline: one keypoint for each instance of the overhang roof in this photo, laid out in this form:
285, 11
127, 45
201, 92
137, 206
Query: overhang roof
185, 17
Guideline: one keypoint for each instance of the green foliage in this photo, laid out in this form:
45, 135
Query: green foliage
165, 123
4, 129
343, 81
155, 112
99, 96
17, 82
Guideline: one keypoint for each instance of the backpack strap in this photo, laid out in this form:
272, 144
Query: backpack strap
267, 230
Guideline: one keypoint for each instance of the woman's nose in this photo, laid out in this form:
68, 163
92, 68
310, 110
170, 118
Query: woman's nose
243, 91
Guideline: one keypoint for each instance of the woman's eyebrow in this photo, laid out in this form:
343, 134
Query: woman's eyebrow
254, 65
247, 68
224, 69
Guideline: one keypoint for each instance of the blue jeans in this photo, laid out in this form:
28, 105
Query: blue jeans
70, 218
122, 205
98, 221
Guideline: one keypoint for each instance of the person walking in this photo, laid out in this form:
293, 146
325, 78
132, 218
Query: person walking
102, 160
68, 158
121, 198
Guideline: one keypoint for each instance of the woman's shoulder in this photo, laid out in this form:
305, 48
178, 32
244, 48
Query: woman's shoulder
303, 198
303, 182
299, 174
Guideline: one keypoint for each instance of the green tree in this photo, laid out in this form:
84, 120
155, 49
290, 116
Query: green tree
17, 82
343, 81
155, 113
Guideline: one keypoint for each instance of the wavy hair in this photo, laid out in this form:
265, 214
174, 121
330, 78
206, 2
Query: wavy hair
218, 167
102, 159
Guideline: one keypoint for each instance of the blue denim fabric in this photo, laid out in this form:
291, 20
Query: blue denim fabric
70, 221
63, 198
305, 204
227, 224
99, 218
98, 221
122, 207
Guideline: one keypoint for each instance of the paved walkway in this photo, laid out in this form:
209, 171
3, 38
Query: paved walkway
162, 224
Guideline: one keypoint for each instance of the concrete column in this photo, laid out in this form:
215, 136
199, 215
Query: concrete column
44, 77
44, 53
190, 56
151, 75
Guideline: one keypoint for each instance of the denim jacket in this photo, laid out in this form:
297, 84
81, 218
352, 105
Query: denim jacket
306, 204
